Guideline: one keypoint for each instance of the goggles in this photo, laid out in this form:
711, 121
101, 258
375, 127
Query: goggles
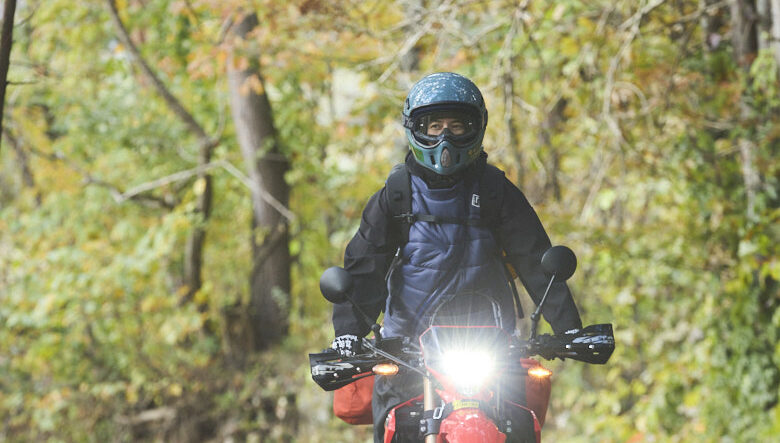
458, 126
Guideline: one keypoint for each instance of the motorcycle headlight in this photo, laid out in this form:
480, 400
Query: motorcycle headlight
469, 370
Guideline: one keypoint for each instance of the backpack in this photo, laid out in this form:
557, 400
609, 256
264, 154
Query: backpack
489, 200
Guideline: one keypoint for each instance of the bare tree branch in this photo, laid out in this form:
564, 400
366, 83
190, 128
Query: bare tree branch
161, 89
750, 176
395, 59
508, 60
633, 26
165, 414
163, 181
27, 176
89, 179
254, 187
6, 41
193, 260
189, 173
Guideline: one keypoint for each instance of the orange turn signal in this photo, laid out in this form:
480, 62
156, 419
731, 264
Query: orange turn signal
385, 369
539, 372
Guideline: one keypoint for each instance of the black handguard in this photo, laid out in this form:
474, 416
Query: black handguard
592, 344
330, 370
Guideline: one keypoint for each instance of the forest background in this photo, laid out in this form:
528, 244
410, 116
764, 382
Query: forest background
175, 175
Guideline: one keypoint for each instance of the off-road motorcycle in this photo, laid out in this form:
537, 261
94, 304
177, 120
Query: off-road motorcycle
479, 383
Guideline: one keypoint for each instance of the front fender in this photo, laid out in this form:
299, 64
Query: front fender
469, 426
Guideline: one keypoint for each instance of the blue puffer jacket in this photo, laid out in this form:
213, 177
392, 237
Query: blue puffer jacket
441, 260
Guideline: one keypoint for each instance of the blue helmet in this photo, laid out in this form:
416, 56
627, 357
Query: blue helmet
445, 120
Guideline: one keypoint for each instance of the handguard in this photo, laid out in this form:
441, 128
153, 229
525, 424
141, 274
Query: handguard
330, 370
592, 344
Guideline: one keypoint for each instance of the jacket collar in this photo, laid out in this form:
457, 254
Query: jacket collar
436, 181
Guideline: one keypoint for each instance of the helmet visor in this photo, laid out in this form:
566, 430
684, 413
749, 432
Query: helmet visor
460, 127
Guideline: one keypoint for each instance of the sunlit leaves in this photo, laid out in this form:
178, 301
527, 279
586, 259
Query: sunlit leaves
650, 147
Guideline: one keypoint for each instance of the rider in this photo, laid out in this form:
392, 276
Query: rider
445, 118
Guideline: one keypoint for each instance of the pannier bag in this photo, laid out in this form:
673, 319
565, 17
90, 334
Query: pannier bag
537, 391
352, 403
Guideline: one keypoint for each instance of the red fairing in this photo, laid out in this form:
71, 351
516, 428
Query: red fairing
390, 427
469, 426
390, 421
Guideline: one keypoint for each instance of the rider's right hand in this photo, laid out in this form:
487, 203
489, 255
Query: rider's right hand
347, 345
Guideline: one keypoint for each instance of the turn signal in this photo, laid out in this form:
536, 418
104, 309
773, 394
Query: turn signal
539, 372
385, 369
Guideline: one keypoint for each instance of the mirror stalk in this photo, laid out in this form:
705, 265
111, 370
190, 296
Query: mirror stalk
373, 325
537, 313
559, 262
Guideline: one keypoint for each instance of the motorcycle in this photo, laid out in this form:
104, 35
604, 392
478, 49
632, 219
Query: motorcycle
479, 383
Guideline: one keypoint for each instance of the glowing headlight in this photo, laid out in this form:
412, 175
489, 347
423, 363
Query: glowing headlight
469, 370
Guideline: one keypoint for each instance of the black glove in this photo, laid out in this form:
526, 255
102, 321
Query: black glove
347, 345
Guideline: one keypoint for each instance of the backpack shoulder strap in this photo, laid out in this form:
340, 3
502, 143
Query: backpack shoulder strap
491, 190
399, 198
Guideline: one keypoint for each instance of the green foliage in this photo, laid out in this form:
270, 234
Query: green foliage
662, 148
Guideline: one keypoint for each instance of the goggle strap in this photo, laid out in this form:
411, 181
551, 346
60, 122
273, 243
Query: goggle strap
408, 122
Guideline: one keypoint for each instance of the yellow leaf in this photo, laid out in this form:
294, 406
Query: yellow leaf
569, 46
175, 390
131, 394
149, 304
44, 305
199, 186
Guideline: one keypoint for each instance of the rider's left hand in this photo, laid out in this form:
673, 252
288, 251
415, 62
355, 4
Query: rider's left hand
347, 345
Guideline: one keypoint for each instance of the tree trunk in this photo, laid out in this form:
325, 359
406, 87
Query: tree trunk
764, 24
28, 179
774, 29
768, 12
747, 21
6, 40
266, 166
510, 121
744, 36
552, 121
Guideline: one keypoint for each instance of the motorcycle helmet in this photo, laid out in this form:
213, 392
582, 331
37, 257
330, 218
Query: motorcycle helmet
445, 118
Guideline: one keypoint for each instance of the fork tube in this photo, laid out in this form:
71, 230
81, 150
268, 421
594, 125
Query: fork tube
429, 404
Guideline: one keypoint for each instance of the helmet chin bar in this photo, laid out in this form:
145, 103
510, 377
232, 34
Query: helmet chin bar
446, 158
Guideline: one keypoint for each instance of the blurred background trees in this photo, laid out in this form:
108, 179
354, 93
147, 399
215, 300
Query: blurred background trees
176, 175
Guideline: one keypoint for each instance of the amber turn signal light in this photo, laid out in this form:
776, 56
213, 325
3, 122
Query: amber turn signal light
539, 372
385, 369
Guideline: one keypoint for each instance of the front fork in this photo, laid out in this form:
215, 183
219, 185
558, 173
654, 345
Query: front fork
429, 404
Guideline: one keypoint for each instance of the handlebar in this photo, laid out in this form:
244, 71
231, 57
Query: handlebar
593, 344
331, 370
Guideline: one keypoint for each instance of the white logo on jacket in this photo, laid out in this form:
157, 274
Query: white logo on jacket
475, 200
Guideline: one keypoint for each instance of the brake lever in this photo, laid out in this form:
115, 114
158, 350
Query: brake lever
391, 357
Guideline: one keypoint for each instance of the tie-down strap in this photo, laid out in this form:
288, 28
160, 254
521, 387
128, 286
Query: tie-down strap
432, 418
411, 218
